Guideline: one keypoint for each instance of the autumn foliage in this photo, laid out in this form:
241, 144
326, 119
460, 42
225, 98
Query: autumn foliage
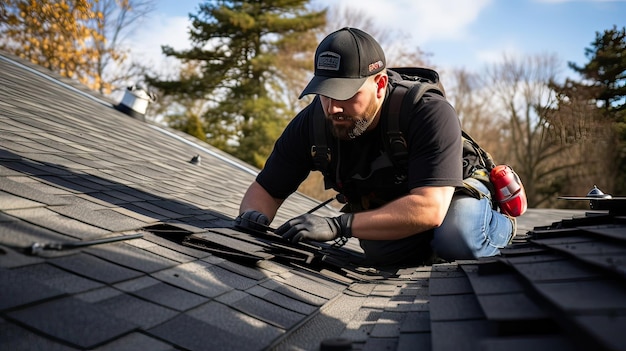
63, 35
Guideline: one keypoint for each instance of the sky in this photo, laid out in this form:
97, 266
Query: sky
469, 34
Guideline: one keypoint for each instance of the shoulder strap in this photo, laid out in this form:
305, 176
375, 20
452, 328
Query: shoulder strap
320, 151
404, 95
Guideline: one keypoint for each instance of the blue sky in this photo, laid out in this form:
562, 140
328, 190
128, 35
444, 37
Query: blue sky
456, 33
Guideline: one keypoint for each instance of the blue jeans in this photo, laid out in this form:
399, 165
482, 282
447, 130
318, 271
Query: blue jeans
471, 228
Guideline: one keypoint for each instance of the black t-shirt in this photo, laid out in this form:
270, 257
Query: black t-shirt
360, 167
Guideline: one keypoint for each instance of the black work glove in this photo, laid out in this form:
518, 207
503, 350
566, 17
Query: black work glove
311, 227
254, 220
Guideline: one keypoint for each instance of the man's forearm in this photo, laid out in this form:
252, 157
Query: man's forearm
258, 199
421, 210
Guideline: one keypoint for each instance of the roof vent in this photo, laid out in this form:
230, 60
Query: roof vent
595, 192
135, 102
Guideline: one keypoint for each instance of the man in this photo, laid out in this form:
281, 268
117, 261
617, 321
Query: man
398, 219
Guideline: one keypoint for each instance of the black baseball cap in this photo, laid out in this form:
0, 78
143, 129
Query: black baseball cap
343, 62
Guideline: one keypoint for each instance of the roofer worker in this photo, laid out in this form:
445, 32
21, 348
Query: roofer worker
398, 218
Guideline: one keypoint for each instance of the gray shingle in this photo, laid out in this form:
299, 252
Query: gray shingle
458, 335
135, 341
279, 316
195, 277
193, 334
57, 278
281, 300
79, 323
152, 290
231, 320
455, 307
131, 257
13, 293
95, 268
137, 311
514, 306
608, 295
14, 337
417, 322
608, 329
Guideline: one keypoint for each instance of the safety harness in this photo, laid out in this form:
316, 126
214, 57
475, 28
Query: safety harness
404, 95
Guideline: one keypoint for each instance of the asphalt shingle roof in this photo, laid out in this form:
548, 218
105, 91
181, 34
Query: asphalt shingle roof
178, 275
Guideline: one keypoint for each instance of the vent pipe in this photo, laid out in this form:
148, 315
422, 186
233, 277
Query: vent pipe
135, 102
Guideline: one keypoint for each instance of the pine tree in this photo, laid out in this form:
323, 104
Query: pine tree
605, 73
240, 46
607, 69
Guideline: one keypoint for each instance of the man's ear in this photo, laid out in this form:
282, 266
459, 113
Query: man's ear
381, 82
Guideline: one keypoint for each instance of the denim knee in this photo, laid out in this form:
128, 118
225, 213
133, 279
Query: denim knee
458, 237
469, 227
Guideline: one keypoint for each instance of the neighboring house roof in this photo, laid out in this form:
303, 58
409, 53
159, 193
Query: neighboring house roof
75, 171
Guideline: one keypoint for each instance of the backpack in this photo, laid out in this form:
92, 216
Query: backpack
415, 82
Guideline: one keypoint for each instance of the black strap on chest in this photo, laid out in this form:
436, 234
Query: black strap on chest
320, 151
404, 95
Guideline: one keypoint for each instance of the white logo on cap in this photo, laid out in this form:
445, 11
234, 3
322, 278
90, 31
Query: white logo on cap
329, 61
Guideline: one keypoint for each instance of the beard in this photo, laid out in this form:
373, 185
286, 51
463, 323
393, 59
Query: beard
358, 124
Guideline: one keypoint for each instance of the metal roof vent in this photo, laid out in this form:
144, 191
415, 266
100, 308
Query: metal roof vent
595, 192
135, 102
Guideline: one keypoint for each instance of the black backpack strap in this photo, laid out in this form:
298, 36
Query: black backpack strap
397, 109
320, 152
395, 141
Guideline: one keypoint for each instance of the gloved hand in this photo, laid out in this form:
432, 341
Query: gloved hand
254, 220
311, 227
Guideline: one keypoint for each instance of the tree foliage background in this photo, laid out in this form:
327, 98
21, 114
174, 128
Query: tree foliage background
562, 138
239, 83
79, 39
244, 55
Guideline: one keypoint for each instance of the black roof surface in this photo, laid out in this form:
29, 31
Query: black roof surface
75, 172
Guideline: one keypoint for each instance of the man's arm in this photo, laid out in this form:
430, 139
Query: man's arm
424, 208
258, 199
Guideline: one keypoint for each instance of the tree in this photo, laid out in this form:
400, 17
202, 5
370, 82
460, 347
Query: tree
522, 99
55, 34
117, 20
607, 69
605, 77
237, 44
78, 39
585, 135
474, 106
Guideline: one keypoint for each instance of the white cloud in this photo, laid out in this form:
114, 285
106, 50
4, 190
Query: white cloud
424, 20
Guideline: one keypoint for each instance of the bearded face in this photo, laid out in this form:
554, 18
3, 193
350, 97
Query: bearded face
346, 126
